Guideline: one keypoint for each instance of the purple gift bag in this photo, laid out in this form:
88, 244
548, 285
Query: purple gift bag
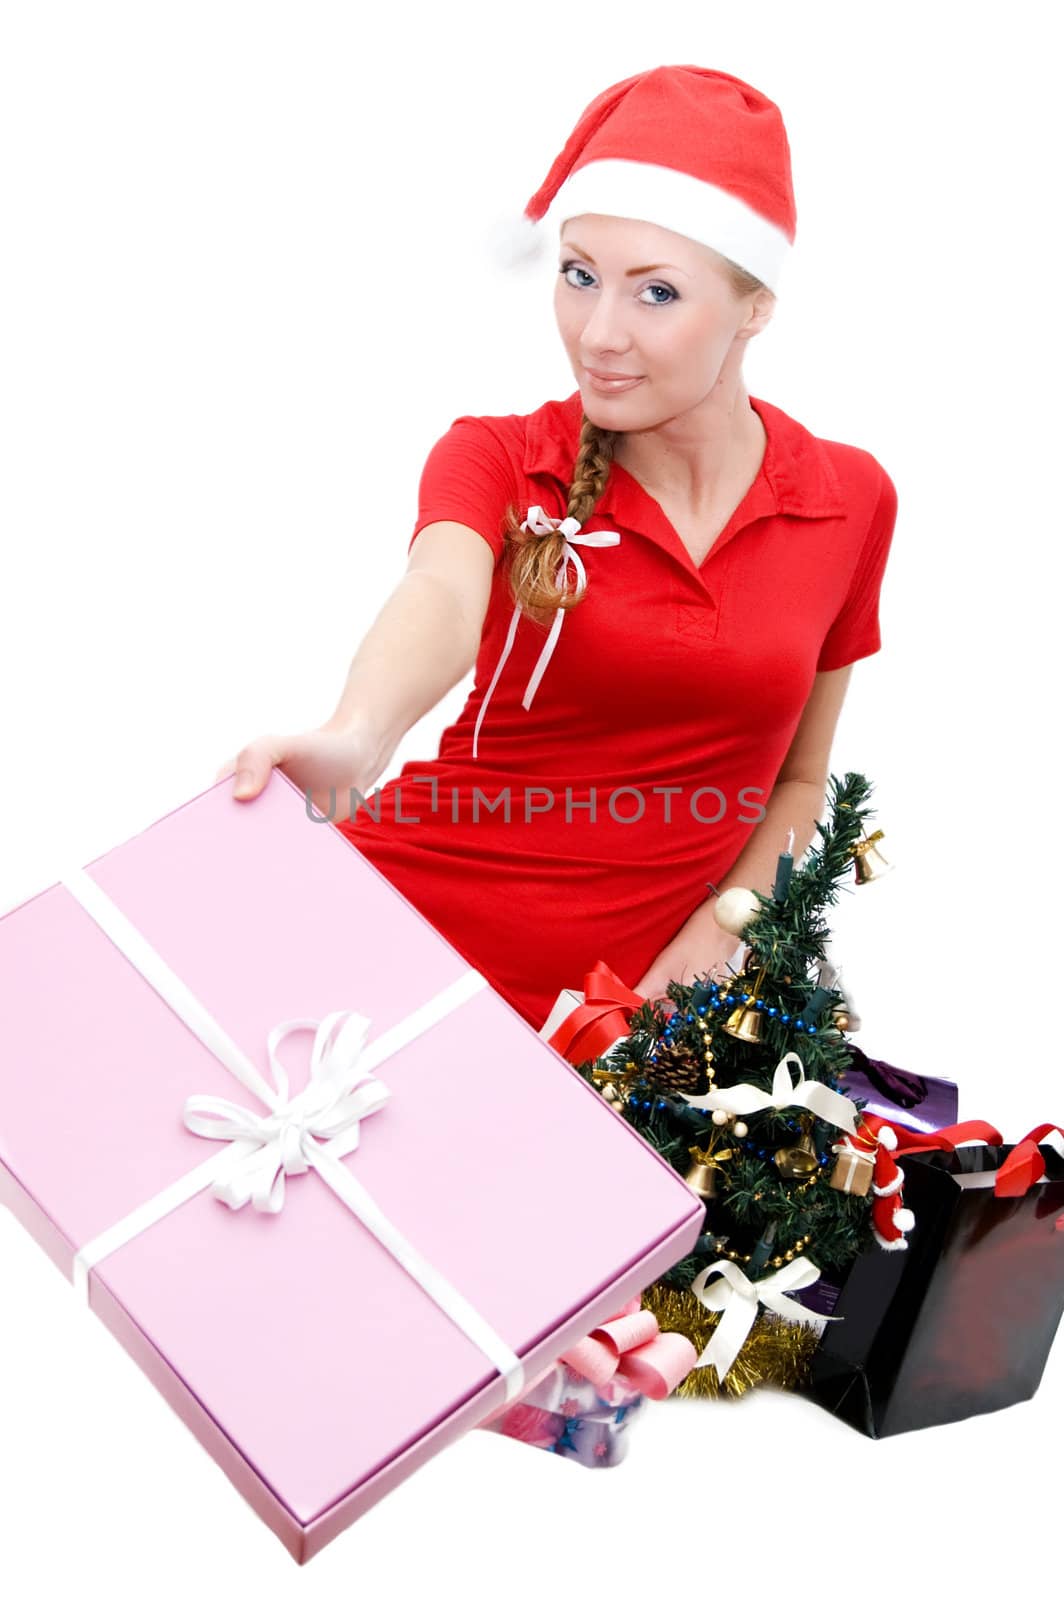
924, 1104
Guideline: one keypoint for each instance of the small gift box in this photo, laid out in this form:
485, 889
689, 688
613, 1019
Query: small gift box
586, 1024
952, 1312
301, 1158
584, 1405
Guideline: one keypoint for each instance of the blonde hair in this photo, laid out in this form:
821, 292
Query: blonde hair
535, 559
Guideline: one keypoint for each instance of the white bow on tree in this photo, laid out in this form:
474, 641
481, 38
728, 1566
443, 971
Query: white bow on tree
740, 1299
744, 1098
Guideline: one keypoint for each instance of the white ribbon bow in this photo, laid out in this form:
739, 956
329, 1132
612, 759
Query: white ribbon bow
538, 522
339, 1093
744, 1098
739, 1300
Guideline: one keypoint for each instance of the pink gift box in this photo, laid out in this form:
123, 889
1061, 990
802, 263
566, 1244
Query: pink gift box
315, 1367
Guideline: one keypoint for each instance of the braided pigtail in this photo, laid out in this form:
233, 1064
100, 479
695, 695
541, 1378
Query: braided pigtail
535, 559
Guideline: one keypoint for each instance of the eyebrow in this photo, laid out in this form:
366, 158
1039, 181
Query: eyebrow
633, 272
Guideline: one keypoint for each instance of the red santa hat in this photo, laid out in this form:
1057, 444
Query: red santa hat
687, 148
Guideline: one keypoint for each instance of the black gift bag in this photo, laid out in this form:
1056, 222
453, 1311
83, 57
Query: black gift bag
962, 1320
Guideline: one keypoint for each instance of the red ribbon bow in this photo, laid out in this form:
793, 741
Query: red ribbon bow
602, 1018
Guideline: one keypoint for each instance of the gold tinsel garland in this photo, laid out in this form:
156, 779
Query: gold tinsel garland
776, 1352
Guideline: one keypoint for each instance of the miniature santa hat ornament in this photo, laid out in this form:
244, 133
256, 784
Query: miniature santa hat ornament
891, 1219
696, 151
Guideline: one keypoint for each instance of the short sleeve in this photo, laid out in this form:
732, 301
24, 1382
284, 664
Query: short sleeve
468, 477
855, 630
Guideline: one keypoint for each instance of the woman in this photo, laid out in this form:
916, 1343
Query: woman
670, 732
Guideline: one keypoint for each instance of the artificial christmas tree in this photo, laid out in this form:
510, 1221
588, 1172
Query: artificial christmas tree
811, 1270
738, 1087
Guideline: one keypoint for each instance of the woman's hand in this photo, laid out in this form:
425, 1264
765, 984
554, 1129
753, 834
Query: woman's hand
699, 948
328, 761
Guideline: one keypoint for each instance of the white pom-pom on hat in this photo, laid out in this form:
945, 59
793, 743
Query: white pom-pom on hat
904, 1220
513, 239
887, 1138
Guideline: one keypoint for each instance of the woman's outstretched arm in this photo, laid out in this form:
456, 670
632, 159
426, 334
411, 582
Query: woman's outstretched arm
423, 641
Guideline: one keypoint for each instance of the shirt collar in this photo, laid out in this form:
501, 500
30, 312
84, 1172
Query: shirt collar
798, 471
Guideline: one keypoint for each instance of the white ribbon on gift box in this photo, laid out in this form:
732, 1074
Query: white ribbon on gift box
744, 1098
340, 1091
739, 1299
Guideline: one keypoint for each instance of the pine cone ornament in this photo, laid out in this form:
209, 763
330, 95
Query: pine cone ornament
677, 1069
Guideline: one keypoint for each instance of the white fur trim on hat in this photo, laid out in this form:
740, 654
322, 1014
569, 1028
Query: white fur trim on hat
681, 202
889, 1188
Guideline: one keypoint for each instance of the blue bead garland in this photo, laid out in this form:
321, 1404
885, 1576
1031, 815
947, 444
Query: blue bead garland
716, 1003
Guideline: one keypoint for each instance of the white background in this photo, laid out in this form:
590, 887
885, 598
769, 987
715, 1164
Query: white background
245, 286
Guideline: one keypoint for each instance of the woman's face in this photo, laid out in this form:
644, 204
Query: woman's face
671, 324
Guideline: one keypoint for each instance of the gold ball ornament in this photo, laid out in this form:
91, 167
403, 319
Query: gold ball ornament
614, 1099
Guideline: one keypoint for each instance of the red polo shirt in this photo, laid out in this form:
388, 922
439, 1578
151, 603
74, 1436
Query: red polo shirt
589, 824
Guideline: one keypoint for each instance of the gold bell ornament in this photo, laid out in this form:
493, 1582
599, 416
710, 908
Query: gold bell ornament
798, 1160
868, 863
701, 1175
745, 1021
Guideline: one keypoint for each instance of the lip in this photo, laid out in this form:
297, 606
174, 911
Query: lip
611, 382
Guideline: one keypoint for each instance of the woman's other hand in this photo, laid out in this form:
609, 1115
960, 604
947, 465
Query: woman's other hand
694, 953
336, 763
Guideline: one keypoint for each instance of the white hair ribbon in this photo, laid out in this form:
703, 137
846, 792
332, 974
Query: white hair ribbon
739, 1300
260, 1150
539, 523
744, 1098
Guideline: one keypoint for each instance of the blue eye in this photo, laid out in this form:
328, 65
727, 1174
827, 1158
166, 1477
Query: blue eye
574, 266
